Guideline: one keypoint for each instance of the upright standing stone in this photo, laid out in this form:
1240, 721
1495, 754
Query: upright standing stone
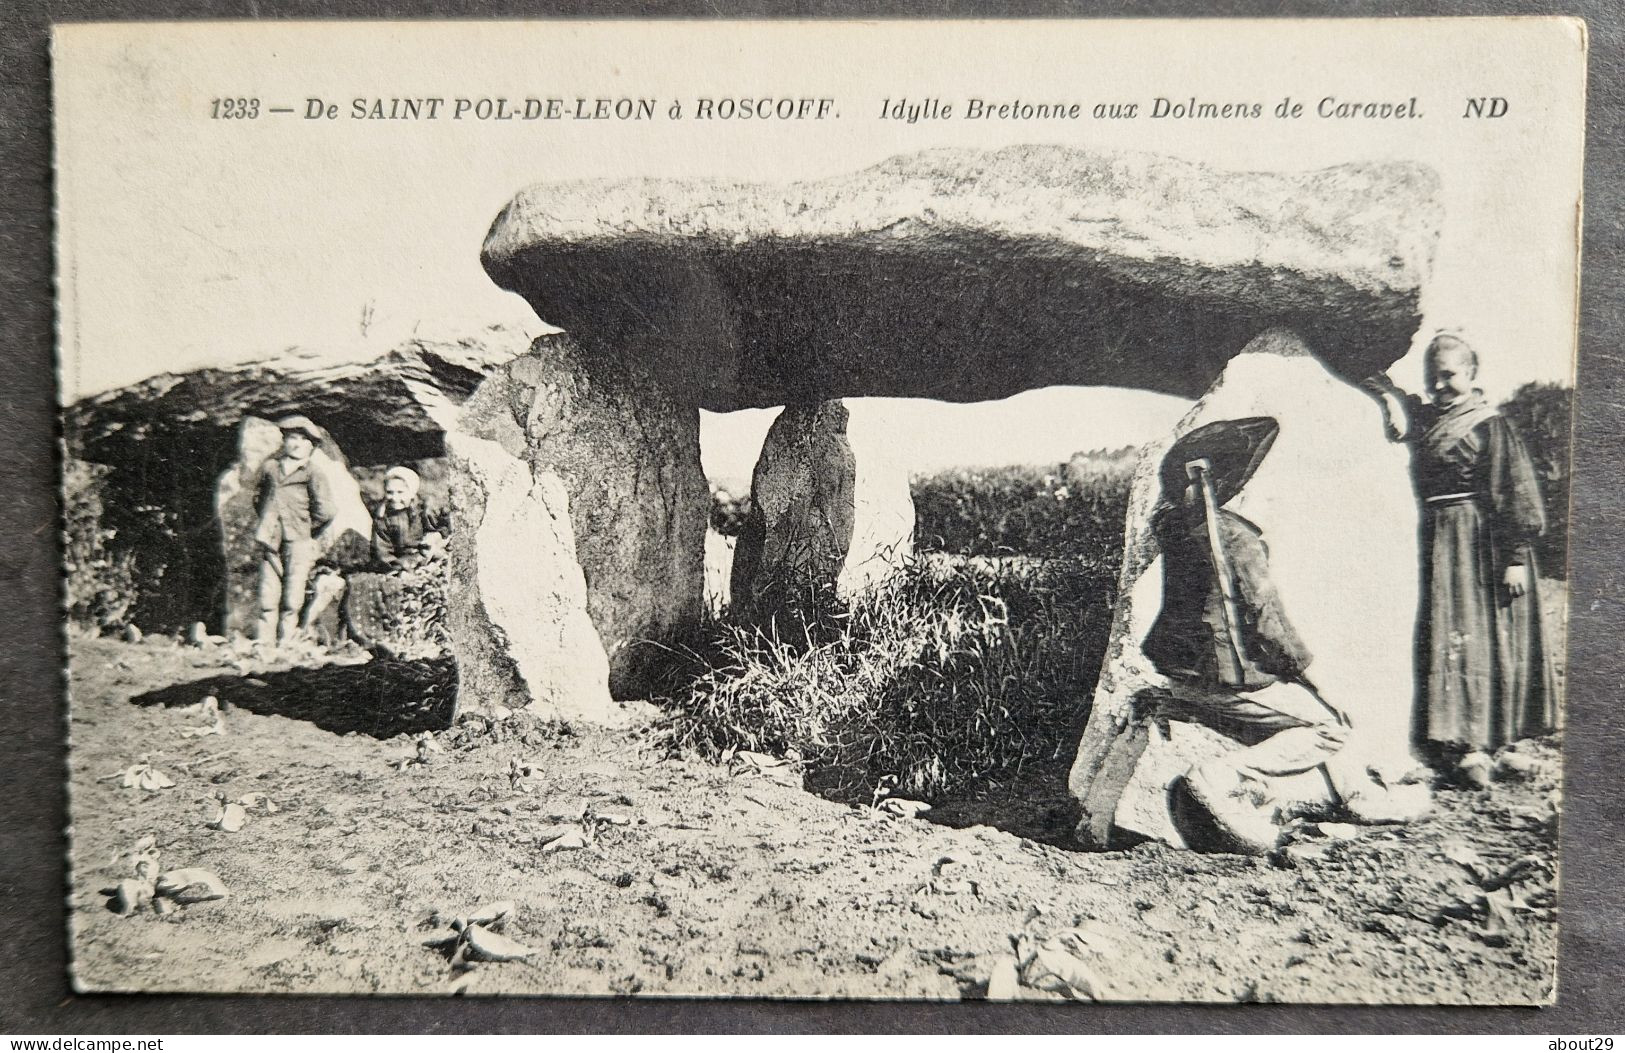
516, 607
795, 539
259, 439
823, 522
883, 504
1334, 501
628, 457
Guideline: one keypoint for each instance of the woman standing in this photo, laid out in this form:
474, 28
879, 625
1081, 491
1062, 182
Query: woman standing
1483, 666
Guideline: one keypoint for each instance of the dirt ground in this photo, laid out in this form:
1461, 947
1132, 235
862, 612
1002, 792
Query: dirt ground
702, 879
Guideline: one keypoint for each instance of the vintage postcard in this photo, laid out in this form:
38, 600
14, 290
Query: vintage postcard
1025, 510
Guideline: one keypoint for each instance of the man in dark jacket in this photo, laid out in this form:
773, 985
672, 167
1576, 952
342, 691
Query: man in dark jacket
294, 501
1223, 639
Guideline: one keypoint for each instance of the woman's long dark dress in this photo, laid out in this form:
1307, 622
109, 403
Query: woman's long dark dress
1484, 668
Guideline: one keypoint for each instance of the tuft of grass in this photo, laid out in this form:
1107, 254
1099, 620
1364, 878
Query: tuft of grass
956, 669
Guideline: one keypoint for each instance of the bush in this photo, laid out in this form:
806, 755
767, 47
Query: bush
101, 586
954, 670
1543, 417
418, 622
1074, 508
728, 511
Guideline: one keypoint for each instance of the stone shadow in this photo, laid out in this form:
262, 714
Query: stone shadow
1034, 804
381, 698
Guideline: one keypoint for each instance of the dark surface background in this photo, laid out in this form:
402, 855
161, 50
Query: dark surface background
34, 992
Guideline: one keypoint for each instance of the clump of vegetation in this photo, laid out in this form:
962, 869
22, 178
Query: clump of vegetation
729, 511
952, 671
101, 586
977, 658
417, 623
1059, 511
1543, 417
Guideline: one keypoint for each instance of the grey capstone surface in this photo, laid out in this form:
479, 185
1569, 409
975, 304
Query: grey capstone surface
965, 274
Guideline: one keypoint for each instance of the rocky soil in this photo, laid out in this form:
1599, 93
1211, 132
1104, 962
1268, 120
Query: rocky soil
694, 878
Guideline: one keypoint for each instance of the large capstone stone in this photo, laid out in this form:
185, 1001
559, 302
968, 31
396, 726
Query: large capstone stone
516, 605
628, 456
259, 440
966, 275
1334, 501
824, 522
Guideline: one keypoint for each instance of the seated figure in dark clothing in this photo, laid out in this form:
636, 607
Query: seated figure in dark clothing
1233, 660
404, 532
404, 561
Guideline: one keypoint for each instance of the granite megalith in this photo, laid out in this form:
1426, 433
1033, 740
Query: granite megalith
628, 457
826, 520
883, 504
966, 275
1334, 501
953, 274
516, 605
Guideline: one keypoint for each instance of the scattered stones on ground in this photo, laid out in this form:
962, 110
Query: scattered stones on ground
208, 707
425, 747
482, 945
1465, 856
1499, 897
128, 896
1474, 770
476, 937
903, 807
229, 815
781, 770
1506, 900
160, 892
1064, 967
1514, 766
1004, 983
189, 885
519, 775
259, 801
950, 877
140, 775
133, 893
198, 635
563, 837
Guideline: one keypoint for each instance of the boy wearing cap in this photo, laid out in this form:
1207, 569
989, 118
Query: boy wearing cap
295, 506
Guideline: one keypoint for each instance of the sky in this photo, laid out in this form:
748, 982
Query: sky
187, 240
929, 436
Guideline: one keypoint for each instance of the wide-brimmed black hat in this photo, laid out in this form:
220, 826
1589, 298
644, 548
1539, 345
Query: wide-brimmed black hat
1233, 447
